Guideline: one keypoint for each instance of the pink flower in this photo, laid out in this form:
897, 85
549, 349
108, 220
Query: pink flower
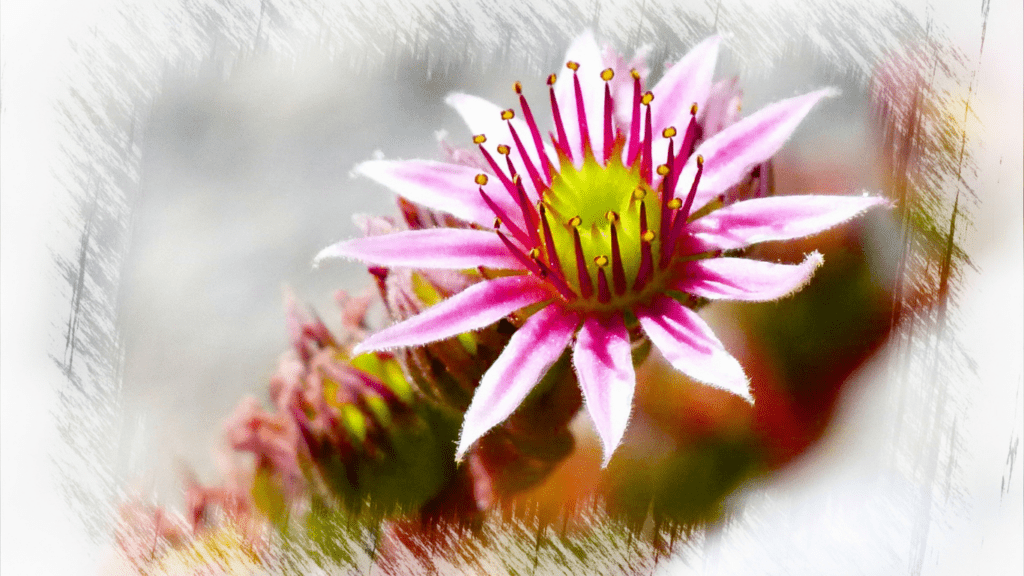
602, 234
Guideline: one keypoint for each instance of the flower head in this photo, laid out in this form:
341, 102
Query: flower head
603, 234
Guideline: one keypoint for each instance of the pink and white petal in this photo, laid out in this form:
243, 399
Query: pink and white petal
527, 356
722, 108
730, 154
475, 307
448, 188
744, 279
604, 363
484, 117
442, 248
688, 343
686, 82
776, 218
585, 52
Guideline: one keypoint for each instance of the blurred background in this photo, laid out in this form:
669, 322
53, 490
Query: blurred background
187, 160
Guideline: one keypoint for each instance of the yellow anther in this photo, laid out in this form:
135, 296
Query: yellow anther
508, 114
518, 87
503, 149
574, 66
534, 253
497, 223
480, 179
669, 132
700, 160
515, 179
648, 236
634, 74
479, 139
662, 169
647, 98
601, 261
575, 221
693, 109
611, 216
607, 74
639, 193
675, 203
551, 79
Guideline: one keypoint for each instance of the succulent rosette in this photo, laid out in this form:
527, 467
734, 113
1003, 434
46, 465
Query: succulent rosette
605, 232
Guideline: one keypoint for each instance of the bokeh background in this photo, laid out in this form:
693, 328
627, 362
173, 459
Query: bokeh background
169, 169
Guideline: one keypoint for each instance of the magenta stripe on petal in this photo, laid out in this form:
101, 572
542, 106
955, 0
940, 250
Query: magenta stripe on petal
688, 343
604, 363
475, 307
776, 218
730, 154
483, 117
743, 279
448, 188
529, 353
444, 248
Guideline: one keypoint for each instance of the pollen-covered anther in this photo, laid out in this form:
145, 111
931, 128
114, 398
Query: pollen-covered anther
611, 216
663, 169
508, 114
634, 74
575, 221
504, 150
648, 236
693, 109
639, 193
574, 66
479, 139
551, 79
669, 132
647, 98
534, 253
518, 87
480, 179
497, 223
674, 203
607, 74
601, 261
700, 160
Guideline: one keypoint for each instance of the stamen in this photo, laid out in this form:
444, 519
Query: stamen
508, 114
648, 236
662, 169
634, 126
529, 214
535, 133
618, 273
479, 139
504, 150
603, 295
575, 221
607, 74
669, 243
674, 203
502, 217
518, 87
639, 193
526, 261
611, 216
581, 113
669, 132
480, 179
497, 223
563, 143
668, 192
601, 261
549, 241
583, 276
509, 186
555, 279
645, 160
530, 168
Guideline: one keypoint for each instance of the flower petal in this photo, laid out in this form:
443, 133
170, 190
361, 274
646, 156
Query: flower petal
484, 117
688, 343
776, 218
444, 248
475, 307
604, 363
730, 154
527, 356
686, 82
585, 52
444, 187
744, 279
